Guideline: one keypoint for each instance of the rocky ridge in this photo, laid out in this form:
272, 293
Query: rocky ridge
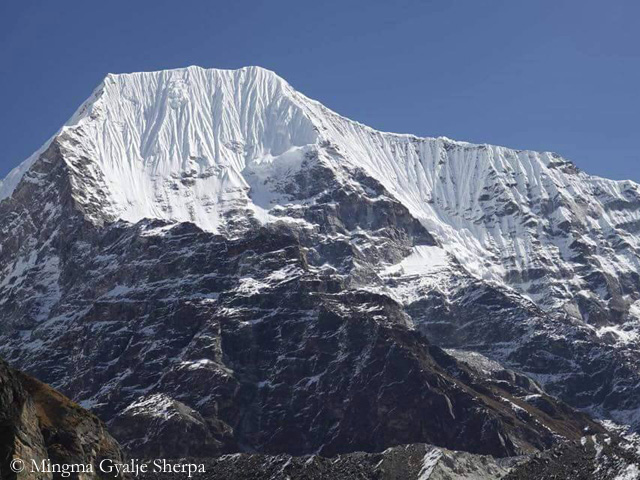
38, 424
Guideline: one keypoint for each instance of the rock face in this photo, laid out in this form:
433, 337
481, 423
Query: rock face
211, 252
567, 357
38, 424
260, 342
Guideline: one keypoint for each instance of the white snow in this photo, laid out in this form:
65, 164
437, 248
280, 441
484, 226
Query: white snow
622, 335
429, 463
201, 364
194, 144
157, 405
632, 472
476, 361
424, 259
172, 144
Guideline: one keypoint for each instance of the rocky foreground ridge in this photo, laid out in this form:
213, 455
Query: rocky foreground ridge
38, 424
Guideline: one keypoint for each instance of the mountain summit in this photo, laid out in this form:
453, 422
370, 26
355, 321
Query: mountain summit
194, 144
173, 144
212, 250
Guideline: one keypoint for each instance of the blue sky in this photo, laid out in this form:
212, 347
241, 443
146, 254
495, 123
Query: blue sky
545, 75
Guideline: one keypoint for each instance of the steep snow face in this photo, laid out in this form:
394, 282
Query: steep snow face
200, 145
529, 219
172, 144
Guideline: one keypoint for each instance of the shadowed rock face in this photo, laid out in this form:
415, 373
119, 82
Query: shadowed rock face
39, 424
267, 339
571, 361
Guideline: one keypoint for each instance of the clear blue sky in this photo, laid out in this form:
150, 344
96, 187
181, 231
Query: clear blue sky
545, 75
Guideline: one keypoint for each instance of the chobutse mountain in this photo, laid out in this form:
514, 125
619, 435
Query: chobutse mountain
214, 263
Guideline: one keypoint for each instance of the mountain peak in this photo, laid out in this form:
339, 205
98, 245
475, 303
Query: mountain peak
177, 106
198, 145
249, 69
171, 144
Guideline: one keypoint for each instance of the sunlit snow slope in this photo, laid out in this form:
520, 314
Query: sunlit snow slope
197, 145
173, 144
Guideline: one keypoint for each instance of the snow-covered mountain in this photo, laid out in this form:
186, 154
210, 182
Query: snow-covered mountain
202, 244
194, 144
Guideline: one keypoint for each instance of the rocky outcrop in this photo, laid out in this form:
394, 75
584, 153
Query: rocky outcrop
41, 427
570, 360
160, 426
594, 457
406, 462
